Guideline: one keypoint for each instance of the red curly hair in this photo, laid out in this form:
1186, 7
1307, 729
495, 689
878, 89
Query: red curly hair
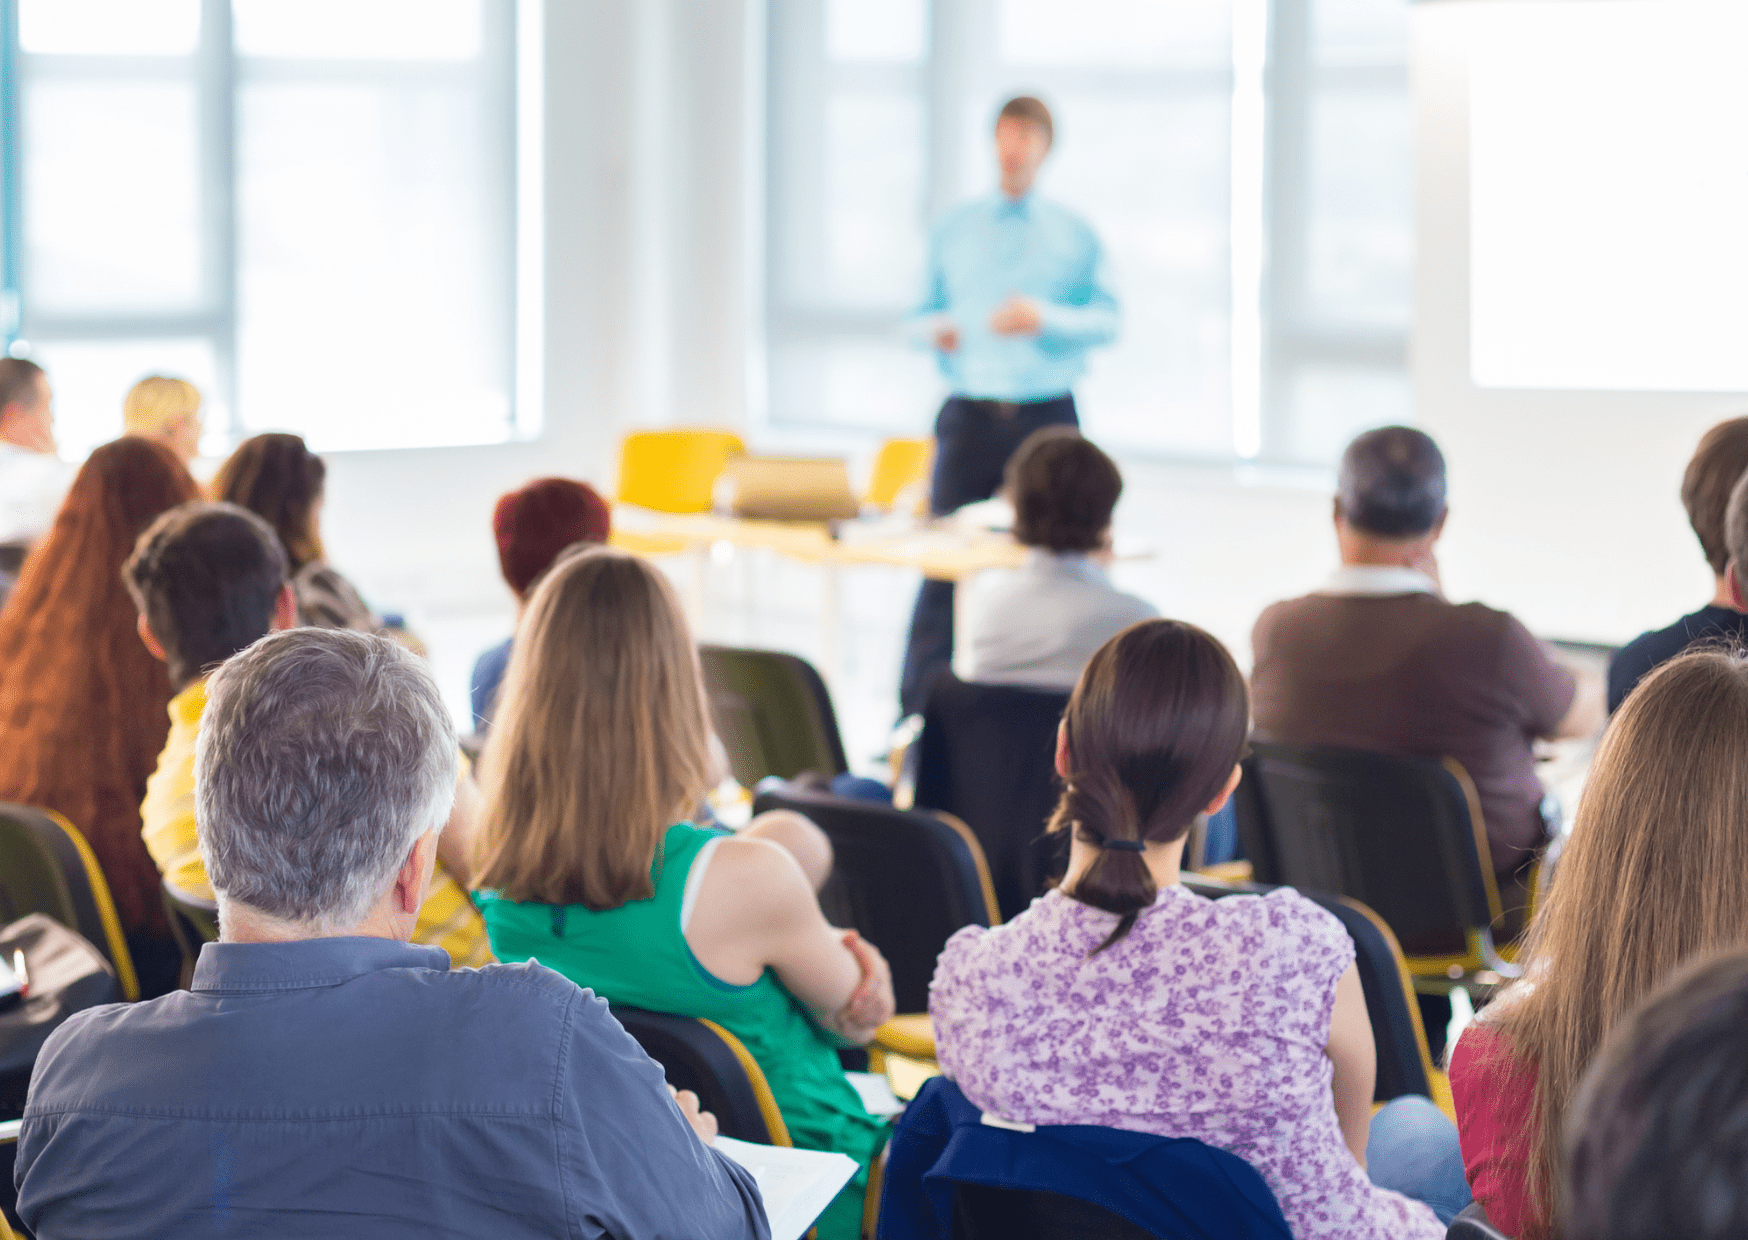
83, 705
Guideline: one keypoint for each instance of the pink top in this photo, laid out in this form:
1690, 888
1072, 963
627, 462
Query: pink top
1208, 1021
1495, 1095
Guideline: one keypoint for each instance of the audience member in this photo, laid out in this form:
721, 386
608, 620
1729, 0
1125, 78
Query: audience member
276, 477
1122, 999
1631, 905
33, 480
325, 1076
1039, 624
81, 702
1720, 459
598, 758
167, 410
210, 580
1378, 659
1658, 1134
532, 526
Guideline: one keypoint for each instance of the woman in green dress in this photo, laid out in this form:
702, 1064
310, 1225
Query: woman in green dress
598, 757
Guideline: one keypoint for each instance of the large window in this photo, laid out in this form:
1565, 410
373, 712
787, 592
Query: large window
307, 209
1245, 163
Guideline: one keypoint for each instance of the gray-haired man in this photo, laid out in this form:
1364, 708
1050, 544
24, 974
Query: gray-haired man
324, 1076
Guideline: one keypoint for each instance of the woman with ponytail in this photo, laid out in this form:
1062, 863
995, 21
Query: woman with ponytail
1123, 1000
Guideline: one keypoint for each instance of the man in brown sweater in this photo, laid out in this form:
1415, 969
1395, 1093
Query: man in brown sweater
1378, 659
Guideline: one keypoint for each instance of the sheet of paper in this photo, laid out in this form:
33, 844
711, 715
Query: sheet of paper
876, 1093
797, 1185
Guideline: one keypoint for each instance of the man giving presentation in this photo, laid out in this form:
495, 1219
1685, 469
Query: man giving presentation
1015, 299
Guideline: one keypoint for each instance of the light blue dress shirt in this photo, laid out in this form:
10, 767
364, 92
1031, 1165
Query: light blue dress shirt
987, 251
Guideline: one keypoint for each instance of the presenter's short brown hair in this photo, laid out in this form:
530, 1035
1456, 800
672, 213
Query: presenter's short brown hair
1063, 491
1032, 109
1720, 459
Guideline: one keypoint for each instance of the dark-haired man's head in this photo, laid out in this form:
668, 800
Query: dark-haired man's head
26, 405
209, 580
1717, 465
1063, 490
1024, 133
1390, 496
1657, 1137
536, 523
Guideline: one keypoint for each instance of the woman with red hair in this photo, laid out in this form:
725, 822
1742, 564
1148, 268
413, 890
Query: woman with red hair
533, 526
82, 702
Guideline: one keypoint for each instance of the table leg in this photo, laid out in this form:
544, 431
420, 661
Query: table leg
830, 622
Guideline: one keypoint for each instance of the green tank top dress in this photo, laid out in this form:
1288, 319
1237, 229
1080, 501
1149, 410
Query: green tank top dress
637, 954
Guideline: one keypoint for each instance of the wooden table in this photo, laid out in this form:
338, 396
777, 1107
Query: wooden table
941, 551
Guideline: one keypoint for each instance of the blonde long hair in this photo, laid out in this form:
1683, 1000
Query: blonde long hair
601, 741
1654, 875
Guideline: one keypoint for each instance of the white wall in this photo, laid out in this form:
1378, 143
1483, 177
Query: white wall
1564, 506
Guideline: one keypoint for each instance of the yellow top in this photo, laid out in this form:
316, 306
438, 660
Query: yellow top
447, 920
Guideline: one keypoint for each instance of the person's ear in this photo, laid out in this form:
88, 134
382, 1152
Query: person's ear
1062, 760
151, 639
1438, 527
1219, 802
285, 609
1335, 513
1738, 597
414, 877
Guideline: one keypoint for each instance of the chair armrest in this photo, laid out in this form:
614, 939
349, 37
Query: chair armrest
912, 1035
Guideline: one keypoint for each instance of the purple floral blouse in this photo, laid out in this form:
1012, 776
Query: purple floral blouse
1209, 1020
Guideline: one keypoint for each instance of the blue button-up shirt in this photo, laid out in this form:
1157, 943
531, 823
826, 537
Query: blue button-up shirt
987, 251
359, 1087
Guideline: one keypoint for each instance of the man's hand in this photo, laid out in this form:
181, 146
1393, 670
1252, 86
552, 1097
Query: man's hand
1017, 316
703, 1122
870, 1005
947, 338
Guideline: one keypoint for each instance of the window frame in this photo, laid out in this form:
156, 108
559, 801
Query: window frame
218, 71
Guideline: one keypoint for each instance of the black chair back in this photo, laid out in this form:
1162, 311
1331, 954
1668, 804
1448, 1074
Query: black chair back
987, 755
984, 1213
1472, 1224
772, 713
701, 1056
193, 921
905, 879
47, 867
1404, 1058
1403, 836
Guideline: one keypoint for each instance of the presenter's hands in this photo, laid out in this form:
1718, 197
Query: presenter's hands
947, 338
1017, 316
702, 1121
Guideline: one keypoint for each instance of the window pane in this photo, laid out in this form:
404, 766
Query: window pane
1153, 177
1360, 32
374, 303
873, 168
881, 31
90, 378
354, 29
855, 382
1361, 213
1328, 405
111, 195
1131, 34
109, 27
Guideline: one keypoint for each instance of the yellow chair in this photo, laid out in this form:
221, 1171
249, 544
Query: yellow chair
901, 463
674, 471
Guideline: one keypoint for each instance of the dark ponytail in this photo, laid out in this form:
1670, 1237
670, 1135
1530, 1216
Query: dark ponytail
1155, 726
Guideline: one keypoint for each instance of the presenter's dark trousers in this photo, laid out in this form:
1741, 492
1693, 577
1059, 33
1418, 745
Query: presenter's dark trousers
973, 441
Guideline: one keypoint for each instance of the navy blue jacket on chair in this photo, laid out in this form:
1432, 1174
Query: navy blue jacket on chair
1172, 1187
